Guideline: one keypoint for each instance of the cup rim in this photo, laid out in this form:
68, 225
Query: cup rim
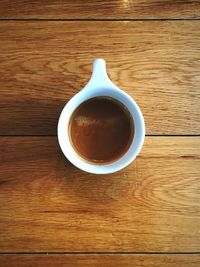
68, 149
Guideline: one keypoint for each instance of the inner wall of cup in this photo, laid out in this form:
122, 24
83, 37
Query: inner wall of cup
135, 146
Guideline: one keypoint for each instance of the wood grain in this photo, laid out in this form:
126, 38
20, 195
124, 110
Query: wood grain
48, 205
100, 260
44, 64
100, 9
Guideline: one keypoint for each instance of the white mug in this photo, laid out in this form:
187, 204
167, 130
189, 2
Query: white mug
100, 85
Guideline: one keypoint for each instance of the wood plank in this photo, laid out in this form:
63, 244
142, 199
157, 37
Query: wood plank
100, 260
48, 205
42, 65
101, 9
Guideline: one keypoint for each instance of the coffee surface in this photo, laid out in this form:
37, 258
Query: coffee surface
101, 130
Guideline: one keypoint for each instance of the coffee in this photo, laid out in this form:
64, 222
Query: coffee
101, 130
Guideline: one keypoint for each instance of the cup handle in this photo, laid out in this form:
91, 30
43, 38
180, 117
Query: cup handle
99, 75
99, 70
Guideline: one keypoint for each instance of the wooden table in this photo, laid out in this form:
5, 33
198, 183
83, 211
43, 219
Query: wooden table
52, 214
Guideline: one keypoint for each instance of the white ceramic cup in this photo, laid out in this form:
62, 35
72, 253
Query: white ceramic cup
100, 85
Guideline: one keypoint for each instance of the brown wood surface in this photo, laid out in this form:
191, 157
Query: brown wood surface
100, 9
100, 260
47, 204
43, 64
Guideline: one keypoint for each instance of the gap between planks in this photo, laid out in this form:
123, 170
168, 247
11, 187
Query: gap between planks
107, 19
101, 253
